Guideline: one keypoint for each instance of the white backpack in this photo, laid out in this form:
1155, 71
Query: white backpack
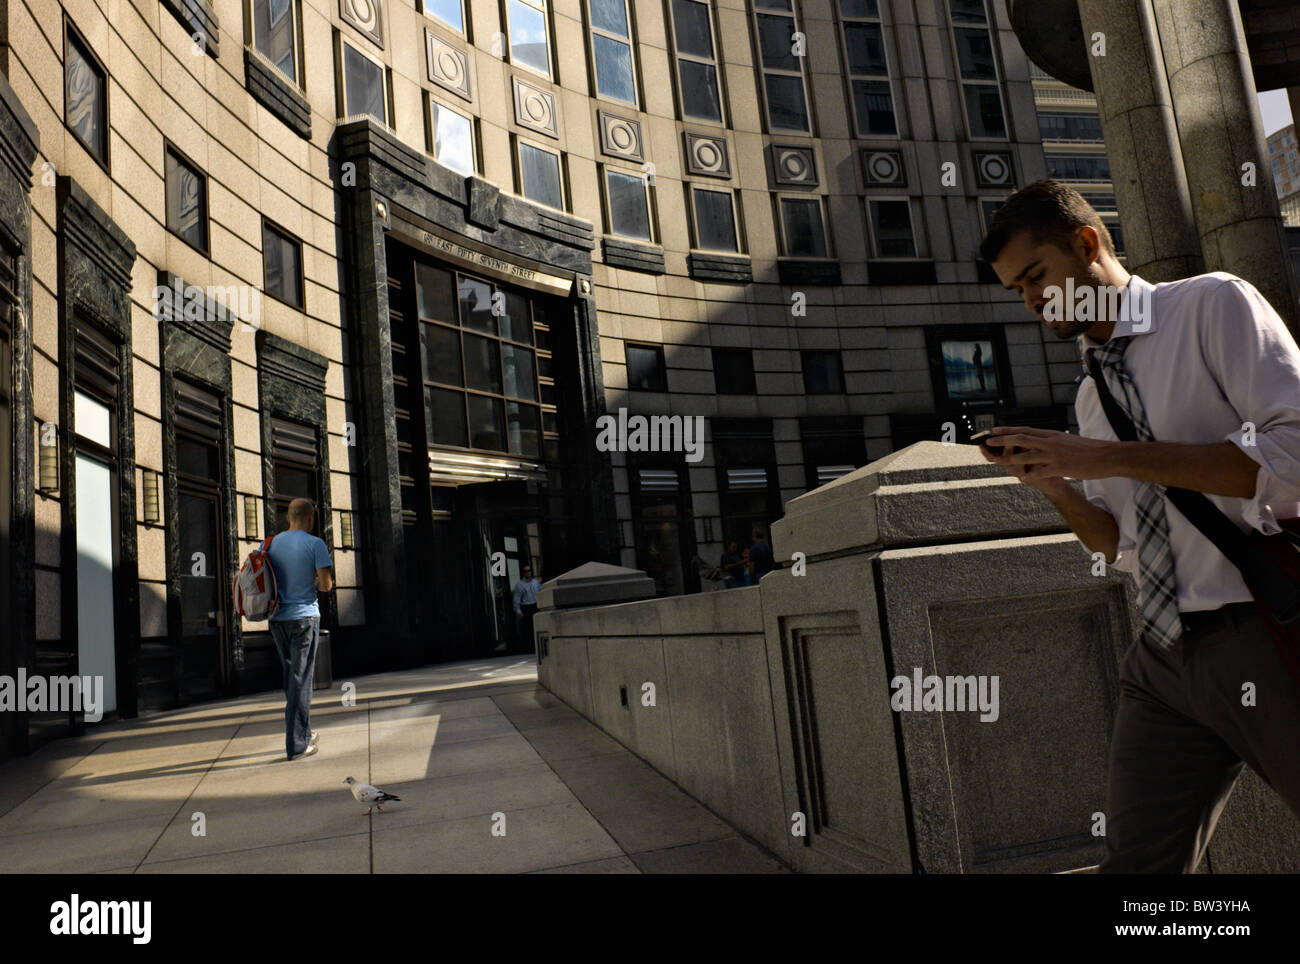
256, 597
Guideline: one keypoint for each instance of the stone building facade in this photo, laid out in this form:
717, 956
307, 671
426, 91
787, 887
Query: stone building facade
400, 256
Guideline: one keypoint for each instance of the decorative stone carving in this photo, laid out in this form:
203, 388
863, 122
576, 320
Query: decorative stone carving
707, 155
884, 168
447, 65
620, 137
535, 108
366, 16
794, 165
994, 169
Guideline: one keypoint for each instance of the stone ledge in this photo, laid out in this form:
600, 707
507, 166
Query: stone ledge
302, 366
920, 272
639, 257
797, 271
214, 323
736, 269
270, 89
197, 17
19, 138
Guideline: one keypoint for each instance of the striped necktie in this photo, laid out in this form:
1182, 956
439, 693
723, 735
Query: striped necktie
1157, 587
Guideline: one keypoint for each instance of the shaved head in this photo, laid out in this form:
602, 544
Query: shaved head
301, 512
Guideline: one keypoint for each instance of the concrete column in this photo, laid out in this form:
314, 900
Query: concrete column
1137, 120
1215, 104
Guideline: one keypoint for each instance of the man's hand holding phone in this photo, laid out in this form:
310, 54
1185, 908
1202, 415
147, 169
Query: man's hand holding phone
999, 453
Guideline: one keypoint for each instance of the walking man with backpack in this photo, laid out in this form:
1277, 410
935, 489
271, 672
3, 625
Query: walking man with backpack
1189, 423
301, 563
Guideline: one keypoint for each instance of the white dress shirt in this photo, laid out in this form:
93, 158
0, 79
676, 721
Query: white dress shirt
1208, 356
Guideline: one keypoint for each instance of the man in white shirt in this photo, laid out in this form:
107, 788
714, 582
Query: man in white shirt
1210, 375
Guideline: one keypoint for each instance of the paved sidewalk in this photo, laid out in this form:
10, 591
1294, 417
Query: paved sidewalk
458, 743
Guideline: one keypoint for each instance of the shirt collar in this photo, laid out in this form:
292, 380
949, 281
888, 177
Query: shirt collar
1136, 313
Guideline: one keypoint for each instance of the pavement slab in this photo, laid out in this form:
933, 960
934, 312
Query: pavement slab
495, 775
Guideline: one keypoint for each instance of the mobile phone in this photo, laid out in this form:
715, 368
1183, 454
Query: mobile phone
982, 438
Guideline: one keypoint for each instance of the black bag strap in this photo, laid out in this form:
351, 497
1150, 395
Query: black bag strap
1265, 578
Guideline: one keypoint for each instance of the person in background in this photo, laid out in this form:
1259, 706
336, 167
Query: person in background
301, 563
760, 552
526, 590
732, 564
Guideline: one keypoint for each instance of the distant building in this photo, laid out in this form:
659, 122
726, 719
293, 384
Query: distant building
1073, 147
1284, 159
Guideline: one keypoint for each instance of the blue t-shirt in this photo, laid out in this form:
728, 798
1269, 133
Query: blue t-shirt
295, 557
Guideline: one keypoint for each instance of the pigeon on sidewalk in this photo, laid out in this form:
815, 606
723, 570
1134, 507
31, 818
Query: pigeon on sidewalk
371, 796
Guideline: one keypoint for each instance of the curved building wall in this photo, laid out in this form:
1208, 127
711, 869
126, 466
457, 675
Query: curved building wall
805, 351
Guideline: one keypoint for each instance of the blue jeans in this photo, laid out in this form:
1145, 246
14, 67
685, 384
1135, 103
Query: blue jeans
296, 641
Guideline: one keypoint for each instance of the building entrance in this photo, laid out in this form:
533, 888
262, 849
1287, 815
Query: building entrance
482, 376
482, 540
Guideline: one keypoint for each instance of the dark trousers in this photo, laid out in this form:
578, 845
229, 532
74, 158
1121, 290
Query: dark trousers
1182, 736
527, 612
296, 641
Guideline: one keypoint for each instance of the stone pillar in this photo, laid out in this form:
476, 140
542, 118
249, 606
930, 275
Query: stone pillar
1137, 120
1214, 99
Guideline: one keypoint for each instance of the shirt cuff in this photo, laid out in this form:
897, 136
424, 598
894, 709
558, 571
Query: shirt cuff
1257, 511
1126, 548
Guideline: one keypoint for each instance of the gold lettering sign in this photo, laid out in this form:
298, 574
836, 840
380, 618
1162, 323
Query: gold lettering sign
467, 257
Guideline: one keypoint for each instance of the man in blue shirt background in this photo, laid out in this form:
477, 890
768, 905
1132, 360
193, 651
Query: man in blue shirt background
302, 567
526, 590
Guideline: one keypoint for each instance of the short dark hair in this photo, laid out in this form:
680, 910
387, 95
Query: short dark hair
1052, 211
757, 533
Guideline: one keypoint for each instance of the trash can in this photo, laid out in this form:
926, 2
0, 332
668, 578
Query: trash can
323, 677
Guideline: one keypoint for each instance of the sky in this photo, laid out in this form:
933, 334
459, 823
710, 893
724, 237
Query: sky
1275, 110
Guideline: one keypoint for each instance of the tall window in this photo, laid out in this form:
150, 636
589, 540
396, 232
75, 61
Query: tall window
715, 219
539, 176
453, 138
281, 265
611, 49
479, 351
449, 12
891, 229
628, 197
85, 102
802, 227
868, 68
187, 198
977, 64
364, 90
783, 86
275, 34
294, 458
697, 61
529, 46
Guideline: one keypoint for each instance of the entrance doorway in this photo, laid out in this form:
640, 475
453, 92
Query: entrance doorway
97, 643
473, 599
665, 532
201, 655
